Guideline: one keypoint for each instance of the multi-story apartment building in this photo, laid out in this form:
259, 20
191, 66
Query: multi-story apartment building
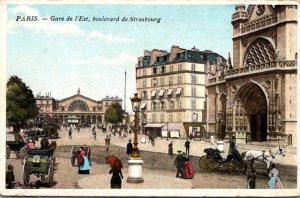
255, 98
79, 107
172, 87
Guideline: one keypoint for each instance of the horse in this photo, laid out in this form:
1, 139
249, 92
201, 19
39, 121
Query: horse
262, 156
23, 153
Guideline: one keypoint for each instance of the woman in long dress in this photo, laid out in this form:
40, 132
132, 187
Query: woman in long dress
85, 167
116, 179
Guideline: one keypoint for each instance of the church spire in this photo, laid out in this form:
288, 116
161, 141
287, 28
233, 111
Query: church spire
229, 61
78, 92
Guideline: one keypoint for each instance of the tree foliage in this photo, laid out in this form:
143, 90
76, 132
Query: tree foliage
20, 103
114, 114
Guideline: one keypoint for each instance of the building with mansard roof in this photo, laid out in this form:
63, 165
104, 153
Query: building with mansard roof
254, 98
76, 109
172, 88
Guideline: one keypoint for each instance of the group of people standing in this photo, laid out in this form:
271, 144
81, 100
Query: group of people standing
182, 161
70, 131
184, 166
186, 145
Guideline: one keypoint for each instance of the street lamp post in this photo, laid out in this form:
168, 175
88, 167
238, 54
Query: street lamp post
135, 162
135, 101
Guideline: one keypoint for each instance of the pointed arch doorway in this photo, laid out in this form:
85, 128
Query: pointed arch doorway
251, 112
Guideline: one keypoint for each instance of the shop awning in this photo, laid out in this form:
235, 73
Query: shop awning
153, 93
170, 91
178, 91
154, 125
143, 105
172, 127
161, 93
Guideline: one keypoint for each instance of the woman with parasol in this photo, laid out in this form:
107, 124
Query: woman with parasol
116, 166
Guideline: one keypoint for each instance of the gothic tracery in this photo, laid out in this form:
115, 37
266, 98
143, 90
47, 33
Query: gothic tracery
259, 52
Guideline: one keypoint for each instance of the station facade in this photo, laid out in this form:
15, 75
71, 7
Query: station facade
76, 109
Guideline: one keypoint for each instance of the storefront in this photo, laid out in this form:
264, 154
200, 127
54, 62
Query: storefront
171, 130
153, 129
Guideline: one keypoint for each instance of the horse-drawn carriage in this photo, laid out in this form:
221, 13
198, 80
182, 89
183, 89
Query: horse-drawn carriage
236, 163
212, 160
13, 146
75, 151
39, 162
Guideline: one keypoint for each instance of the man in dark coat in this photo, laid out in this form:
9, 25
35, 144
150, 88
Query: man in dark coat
179, 162
187, 147
107, 142
170, 150
129, 148
10, 177
232, 145
70, 133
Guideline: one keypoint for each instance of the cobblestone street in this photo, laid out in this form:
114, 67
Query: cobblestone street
156, 162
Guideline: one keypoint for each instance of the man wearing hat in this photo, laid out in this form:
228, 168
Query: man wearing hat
30, 144
179, 162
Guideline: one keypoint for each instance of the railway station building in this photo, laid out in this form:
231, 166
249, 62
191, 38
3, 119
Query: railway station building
76, 109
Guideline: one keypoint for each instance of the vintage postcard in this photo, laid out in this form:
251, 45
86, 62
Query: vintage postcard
149, 98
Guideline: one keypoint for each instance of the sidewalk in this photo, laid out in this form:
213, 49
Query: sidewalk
197, 148
161, 144
151, 181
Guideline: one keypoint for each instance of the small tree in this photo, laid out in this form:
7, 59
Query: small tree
114, 114
20, 103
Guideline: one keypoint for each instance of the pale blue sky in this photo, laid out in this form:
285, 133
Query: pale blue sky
60, 57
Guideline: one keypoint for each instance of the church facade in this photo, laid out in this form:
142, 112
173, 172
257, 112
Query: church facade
254, 98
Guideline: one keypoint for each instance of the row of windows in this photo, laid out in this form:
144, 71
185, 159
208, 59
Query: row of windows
163, 69
163, 93
167, 105
43, 102
168, 68
44, 108
162, 119
172, 80
162, 105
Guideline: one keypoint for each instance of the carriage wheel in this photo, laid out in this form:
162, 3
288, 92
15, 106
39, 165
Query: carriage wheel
234, 166
8, 152
26, 175
211, 163
26, 178
50, 174
54, 163
202, 163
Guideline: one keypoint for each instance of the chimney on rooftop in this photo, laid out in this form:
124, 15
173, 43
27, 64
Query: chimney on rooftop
174, 50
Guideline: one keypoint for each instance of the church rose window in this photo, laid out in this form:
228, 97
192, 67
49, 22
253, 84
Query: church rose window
259, 52
78, 106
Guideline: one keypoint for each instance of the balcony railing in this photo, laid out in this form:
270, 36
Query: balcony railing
264, 67
258, 23
239, 15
